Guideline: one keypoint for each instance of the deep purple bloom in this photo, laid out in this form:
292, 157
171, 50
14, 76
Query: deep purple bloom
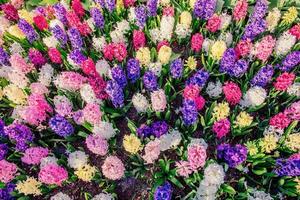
152, 7
150, 81
77, 57
189, 112
240, 68
133, 70
254, 28
144, 131
20, 134
260, 10
205, 8
36, 57
28, 30
3, 57
159, 128
60, 35
176, 68
263, 76
60, 13
231, 66
141, 16
119, 76
287, 167
75, 38
290, 61
5, 193
97, 17
232, 155
110, 5
3, 151
61, 126
199, 78
2, 133
115, 93
163, 192
100, 2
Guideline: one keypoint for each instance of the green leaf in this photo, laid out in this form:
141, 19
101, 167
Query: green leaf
260, 171
228, 189
176, 181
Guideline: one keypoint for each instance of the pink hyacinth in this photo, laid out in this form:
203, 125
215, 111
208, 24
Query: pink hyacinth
293, 112
213, 23
280, 121
54, 55
17, 3
162, 43
97, 145
53, 174
7, 171
295, 31
152, 151
200, 102
168, 11
240, 10
113, 168
108, 51
243, 48
158, 100
128, 3
69, 80
92, 113
196, 156
78, 8
284, 81
196, 42
232, 93
183, 168
295, 156
32, 115
19, 63
139, 39
38, 88
88, 67
39, 101
221, 128
120, 52
34, 155
191, 92
264, 48
84, 29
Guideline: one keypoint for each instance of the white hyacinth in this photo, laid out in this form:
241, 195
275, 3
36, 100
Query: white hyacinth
158, 100
225, 20
104, 129
272, 19
284, 43
87, 94
227, 37
123, 26
166, 27
170, 140
102, 67
56, 22
48, 160
46, 74
50, 42
156, 68
255, 96
155, 35
260, 195
207, 43
90, 22
99, 43
214, 90
18, 78
60, 196
140, 102
182, 31
294, 89
102, 196
77, 159
16, 48
117, 36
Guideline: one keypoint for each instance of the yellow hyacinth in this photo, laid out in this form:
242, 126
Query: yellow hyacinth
15, 31
164, 54
191, 63
15, 94
252, 148
132, 144
268, 143
192, 3
86, 172
218, 49
186, 18
290, 16
29, 187
293, 142
243, 119
28, 16
144, 56
221, 111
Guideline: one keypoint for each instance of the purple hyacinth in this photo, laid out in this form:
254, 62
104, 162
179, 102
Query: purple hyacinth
100, 2
115, 93
28, 30
36, 57
5, 193
60, 13
263, 76
3, 57
240, 68
152, 7
228, 60
260, 10
77, 57
176, 68
3, 151
20, 134
199, 78
75, 38
140, 16
159, 128
97, 17
287, 167
61, 126
204, 8
150, 81
290, 61
119, 76
133, 70
232, 155
189, 112
110, 5
163, 192
144, 131
254, 29
2, 133
60, 35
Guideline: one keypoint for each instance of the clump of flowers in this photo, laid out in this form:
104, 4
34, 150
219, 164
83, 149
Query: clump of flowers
232, 155
53, 174
163, 192
7, 171
221, 127
113, 168
85, 172
97, 145
29, 187
132, 144
33, 155
77, 159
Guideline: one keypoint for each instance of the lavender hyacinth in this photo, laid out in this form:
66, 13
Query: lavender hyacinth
115, 93
119, 76
159, 128
152, 7
75, 38
232, 155
163, 192
60, 35
60, 13
3, 151
287, 167
3, 57
290, 61
28, 30
199, 78
176, 68
150, 81
61, 126
204, 8
141, 16
133, 70
20, 134
189, 112
110, 5
97, 17
260, 10
100, 2
77, 57
263, 76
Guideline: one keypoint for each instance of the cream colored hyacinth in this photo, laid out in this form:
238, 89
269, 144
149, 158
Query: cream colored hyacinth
29, 187
144, 56
272, 19
218, 49
290, 16
221, 111
268, 143
86, 172
132, 144
243, 119
191, 63
15, 94
293, 142
164, 54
